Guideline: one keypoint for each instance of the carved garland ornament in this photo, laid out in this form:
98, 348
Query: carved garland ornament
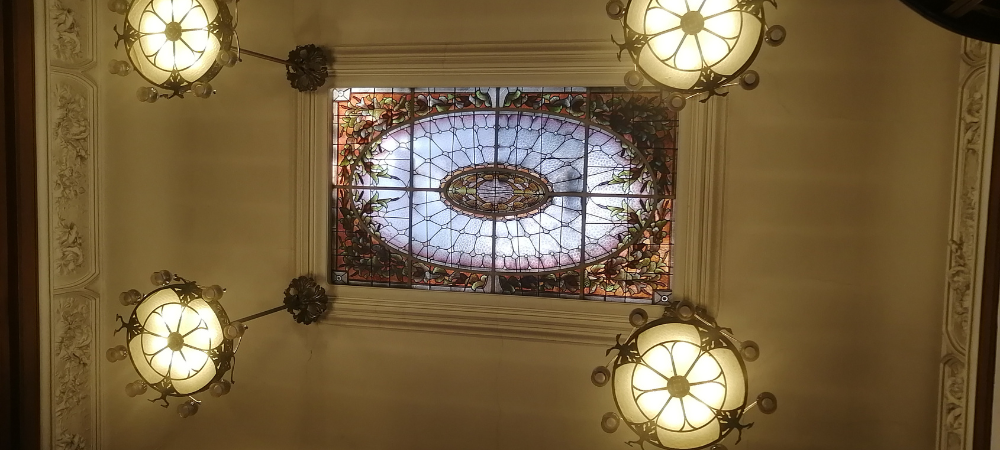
72, 351
65, 31
71, 317
71, 152
964, 246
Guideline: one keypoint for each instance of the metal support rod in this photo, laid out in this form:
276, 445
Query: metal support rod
731, 337
721, 331
264, 57
261, 314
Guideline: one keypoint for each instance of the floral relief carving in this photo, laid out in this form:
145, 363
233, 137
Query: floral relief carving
965, 229
71, 318
66, 41
69, 244
72, 136
975, 52
69, 441
964, 246
72, 357
71, 154
953, 404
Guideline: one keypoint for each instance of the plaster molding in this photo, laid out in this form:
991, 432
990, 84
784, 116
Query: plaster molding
72, 178
72, 186
313, 178
699, 199
74, 376
70, 29
548, 63
68, 223
973, 157
699, 209
523, 318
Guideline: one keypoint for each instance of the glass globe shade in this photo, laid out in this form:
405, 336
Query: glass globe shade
178, 342
673, 386
693, 45
175, 43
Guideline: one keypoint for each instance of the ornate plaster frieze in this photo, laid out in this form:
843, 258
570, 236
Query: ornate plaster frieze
70, 32
74, 381
70, 305
72, 186
964, 259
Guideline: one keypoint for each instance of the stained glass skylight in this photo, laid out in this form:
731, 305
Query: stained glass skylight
562, 192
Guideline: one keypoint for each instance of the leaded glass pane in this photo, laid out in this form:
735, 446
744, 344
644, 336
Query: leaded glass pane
531, 191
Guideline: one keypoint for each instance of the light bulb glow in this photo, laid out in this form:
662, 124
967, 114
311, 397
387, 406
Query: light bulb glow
689, 45
702, 375
660, 20
676, 7
180, 52
173, 43
174, 340
678, 382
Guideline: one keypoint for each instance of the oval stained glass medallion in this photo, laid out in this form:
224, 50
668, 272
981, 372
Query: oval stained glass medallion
495, 194
501, 192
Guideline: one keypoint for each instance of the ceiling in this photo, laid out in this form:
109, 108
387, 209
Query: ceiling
838, 183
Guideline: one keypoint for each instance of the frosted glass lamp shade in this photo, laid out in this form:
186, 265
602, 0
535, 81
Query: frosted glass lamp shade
176, 43
181, 342
679, 382
678, 387
175, 340
692, 46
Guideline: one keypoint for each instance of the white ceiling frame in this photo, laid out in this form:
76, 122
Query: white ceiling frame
69, 212
980, 70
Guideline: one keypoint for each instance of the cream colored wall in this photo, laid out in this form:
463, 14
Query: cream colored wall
836, 223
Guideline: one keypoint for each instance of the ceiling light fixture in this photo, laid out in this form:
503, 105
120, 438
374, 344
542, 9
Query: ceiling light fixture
179, 46
181, 341
693, 47
680, 381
